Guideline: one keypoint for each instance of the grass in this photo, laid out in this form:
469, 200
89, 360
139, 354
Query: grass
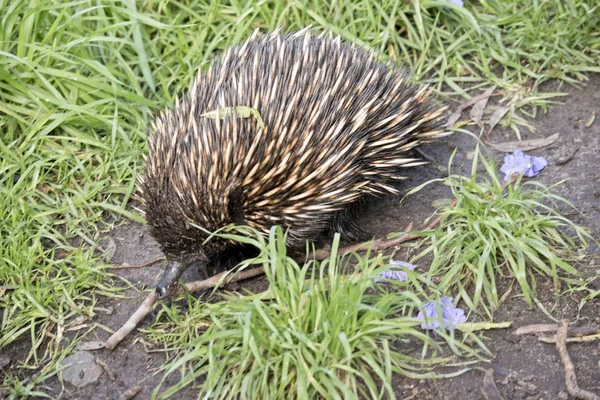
321, 330
498, 229
71, 141
79, 81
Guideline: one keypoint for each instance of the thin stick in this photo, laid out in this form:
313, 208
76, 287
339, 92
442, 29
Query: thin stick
490, 391
544, 328
148, 303
130, 393
378, 244
214, 280
137, 266
382, 244
570, 377
575, 339
144, 309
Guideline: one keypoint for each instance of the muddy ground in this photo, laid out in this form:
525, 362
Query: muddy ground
524, 367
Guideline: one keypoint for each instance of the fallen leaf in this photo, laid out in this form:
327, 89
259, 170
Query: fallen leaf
76, 327
524, 145
497, 116
591, 120
565, 157
4, 361
130, 393
92, 345
490, 391
462, 123
479, 108
456, 114
110, 249
437, 203
79, 320
536, 328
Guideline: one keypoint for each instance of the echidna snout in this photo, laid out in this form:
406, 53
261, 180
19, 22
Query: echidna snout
172, 273
283, 129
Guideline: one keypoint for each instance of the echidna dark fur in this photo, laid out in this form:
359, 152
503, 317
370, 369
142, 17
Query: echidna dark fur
338, 126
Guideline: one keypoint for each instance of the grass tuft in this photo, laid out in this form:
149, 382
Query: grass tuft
314, 333
499, 229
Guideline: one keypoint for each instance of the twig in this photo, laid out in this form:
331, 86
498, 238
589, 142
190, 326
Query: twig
133, 321
576, 339
148, 303
106, 369
379, 244
570, 377
137, 266
382, 244
490, 391
424, 155
573, 331
215, 280
130, 393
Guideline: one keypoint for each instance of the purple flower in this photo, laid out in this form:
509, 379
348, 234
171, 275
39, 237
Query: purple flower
521, 163
451, 315
455, 2
396, 272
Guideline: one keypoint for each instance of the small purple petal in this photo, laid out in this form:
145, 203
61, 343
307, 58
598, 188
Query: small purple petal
537, 164
451, 315
396, 271
522, 164
455, 2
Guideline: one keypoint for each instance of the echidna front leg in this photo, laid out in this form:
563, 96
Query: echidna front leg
230, 258
343, 223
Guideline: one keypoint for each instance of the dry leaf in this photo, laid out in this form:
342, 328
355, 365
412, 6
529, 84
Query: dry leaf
4, 361
497, 116
456, 114
490, 391
525, 145
479, 107
591, 120
110, 249
92, 345
77, 327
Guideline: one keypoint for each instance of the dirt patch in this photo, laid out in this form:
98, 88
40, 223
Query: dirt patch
524, 367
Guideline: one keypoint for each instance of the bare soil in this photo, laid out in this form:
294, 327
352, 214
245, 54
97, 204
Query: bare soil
524, 367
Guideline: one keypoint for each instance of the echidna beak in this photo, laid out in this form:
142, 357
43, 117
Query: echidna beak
161, 292
172, 273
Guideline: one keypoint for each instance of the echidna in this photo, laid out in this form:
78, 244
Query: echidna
332, 125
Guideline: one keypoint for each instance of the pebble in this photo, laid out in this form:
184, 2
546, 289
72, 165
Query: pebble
81, 369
